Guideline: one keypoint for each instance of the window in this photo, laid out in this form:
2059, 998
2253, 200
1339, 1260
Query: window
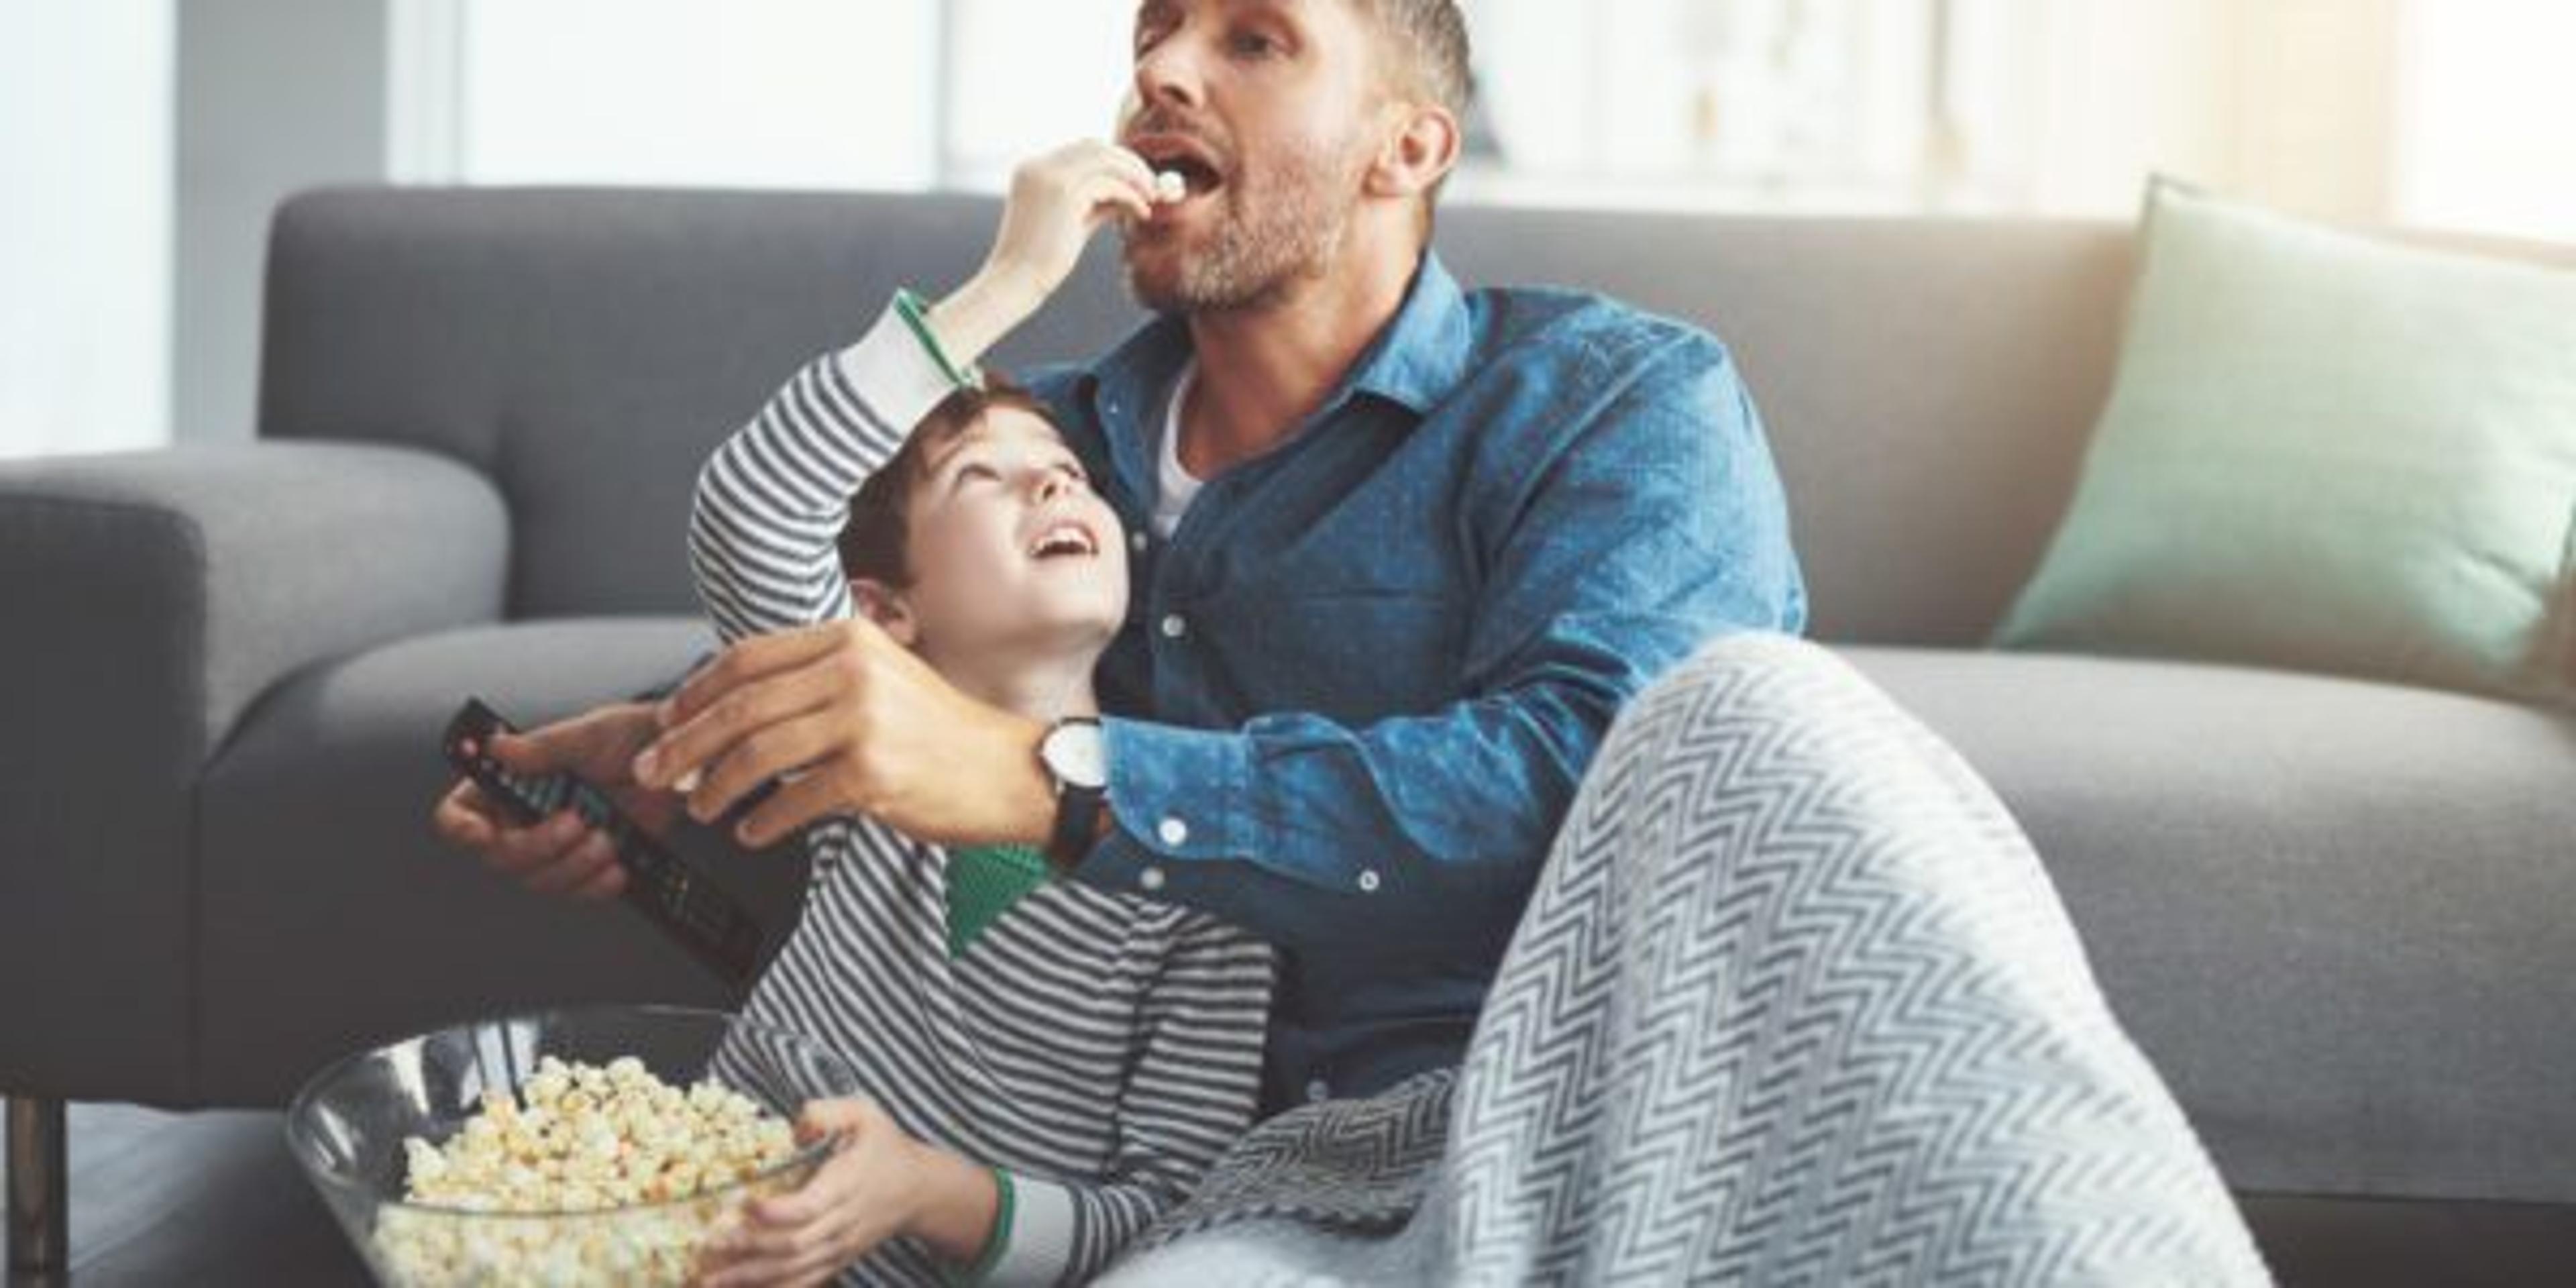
85, 121
750, 93
2424, 111
2484, 134
1025, 76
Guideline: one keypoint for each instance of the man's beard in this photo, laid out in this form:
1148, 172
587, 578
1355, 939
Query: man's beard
1269, 234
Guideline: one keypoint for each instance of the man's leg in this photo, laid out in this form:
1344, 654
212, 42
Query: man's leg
38, 1216
1795, 1003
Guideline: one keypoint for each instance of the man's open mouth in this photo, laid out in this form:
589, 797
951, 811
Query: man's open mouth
1197, 177
1181, 155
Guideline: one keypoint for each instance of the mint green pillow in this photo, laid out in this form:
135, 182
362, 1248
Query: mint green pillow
2329, 453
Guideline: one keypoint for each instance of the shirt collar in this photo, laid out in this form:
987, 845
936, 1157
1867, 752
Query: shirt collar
1415, 361
1422, 355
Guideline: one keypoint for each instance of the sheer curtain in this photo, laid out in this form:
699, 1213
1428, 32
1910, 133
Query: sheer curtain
86, 176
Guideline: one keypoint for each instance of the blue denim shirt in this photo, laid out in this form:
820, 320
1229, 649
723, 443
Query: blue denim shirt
1356, 689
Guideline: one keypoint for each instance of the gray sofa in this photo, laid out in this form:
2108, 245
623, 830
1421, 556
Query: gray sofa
2339, 915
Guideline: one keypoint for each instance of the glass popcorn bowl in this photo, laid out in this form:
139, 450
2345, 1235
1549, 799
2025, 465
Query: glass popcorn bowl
348, 1125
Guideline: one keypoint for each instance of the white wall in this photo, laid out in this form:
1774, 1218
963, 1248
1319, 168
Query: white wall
143, 143
273, 96
750, 93
85, 180
2286, 102
2486, 138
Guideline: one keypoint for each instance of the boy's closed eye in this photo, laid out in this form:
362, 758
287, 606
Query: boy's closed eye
978, 471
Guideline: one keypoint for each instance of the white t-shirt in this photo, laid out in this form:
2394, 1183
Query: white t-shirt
1174, 486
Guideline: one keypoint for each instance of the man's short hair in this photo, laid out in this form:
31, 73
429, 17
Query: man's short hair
1429, 41
1431, 36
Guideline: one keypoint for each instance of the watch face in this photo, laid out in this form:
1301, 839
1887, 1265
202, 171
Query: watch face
1073, 752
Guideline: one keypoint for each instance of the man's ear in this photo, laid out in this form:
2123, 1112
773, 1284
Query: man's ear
887, 607
1422, 147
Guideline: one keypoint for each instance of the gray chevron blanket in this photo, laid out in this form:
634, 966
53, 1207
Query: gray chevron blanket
1793, 1003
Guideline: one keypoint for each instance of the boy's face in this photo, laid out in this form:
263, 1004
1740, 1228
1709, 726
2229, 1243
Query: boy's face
1270, 108
1009, 548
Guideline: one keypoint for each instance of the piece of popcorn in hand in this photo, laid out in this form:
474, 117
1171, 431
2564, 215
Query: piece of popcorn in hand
1169, 186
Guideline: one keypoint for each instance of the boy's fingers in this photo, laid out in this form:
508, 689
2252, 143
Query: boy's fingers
573, 868
607, 883
1125, 199
523, 849
1131, 167
766, 1240
817, 1118
750, 1273
458, 817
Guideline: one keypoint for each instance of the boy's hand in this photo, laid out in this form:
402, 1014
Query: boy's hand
562, 854
1057, 202
877, 1184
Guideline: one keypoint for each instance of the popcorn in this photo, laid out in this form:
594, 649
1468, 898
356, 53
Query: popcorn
1170, 186
551, 1173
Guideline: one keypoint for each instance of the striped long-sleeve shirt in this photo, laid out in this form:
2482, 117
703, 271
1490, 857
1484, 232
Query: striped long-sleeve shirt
1100, 1048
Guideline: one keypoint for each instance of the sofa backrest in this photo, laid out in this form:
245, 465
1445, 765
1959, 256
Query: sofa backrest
1927, 384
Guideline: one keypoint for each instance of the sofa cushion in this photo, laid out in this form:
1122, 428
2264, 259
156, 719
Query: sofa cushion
310, 950
2337, 914
2328, 452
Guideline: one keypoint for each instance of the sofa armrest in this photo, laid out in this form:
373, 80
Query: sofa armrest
151, 597
229, 567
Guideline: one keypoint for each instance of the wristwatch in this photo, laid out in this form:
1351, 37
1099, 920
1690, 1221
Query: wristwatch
1077, 759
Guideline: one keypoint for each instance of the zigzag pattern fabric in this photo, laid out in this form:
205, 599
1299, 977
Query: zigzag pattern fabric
1794, 1003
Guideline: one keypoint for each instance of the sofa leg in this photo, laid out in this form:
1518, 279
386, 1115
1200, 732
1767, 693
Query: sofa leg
39, 1229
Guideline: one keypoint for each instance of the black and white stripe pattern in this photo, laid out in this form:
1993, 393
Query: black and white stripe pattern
1088, 1039
1103, 1049
1794, 1003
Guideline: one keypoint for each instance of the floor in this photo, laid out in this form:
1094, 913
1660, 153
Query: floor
208, 1198
212, 1200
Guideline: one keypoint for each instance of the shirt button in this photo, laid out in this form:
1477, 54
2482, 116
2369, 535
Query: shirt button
1368, 881
1318, 1089
1173, 831
1175, 626
1150, 878
1136, 541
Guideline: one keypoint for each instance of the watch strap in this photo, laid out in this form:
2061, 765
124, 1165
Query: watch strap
1077, 808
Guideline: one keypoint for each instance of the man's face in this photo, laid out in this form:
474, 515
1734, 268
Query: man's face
1010, 549
1265, 107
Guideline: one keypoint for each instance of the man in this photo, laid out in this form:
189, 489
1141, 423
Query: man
1402, 551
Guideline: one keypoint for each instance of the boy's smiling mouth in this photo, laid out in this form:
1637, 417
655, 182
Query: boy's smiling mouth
1065, 538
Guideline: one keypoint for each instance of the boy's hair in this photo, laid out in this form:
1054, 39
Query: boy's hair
873, 541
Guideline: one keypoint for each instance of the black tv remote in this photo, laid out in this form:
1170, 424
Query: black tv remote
708, 922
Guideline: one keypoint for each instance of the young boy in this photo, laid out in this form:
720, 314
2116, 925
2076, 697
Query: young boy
1049, 1065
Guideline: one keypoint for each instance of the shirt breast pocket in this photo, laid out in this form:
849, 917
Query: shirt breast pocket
1355, 655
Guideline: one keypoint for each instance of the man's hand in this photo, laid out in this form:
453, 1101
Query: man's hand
872, 729
1057, 202
878, 1183
562, 854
